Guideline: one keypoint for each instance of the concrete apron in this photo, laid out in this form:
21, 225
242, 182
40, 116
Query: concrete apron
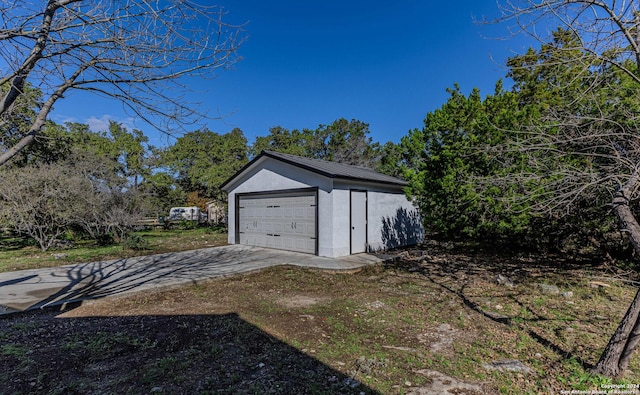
39, 288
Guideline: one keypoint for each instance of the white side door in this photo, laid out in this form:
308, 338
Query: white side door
358, 208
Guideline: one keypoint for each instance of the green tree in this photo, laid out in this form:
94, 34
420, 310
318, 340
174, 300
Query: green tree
554, 179
447, 156
16, 123
402, 159
137, 53
598, 128
279, 139
133, 164
161, 192
344, 142
470, 175
53, 144
341, 141
202, 160
392, 160
57, 143
130, 150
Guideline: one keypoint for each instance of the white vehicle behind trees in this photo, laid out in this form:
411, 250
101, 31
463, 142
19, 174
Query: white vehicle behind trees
192, 213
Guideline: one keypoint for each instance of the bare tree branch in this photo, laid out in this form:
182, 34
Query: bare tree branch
601, 25
593, 136
135, 51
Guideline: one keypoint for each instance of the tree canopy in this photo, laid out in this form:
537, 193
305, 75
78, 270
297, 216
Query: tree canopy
493, 168
135, 52
341, 141
202, 160
590, 136
279, 139
555, 157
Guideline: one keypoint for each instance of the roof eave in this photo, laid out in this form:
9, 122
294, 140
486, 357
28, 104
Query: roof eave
224, 185
305, 167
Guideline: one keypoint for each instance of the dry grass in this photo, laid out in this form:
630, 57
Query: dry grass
18, 254
291, 330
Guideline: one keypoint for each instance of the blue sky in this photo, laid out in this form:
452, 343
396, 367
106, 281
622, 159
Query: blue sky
307, 63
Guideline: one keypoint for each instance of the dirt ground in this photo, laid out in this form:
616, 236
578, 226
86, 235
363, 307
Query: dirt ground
438, 320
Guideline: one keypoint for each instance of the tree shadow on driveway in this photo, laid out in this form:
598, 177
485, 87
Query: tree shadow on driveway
69, 284
17, 280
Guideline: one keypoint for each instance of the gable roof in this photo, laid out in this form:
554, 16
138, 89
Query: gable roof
325, 168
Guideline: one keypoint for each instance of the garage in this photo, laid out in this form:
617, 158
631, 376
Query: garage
286, 221
318, 207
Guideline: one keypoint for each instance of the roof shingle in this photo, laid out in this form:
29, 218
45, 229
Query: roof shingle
327, 169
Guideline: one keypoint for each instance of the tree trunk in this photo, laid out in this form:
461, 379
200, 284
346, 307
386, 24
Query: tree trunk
616, 356
15, 150
41, 118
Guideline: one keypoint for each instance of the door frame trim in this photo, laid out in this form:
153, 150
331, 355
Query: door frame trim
366, 219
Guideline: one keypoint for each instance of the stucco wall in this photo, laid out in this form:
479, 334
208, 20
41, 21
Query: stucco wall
272, 175
392, 220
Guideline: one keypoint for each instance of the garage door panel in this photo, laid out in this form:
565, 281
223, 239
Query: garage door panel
249, 239
300, 243
271, 242
311, 212
285, 222
311, 228
261, 240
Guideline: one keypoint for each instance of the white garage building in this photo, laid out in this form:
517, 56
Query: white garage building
318, 207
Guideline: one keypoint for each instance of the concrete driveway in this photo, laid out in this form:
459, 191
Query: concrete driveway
31, 289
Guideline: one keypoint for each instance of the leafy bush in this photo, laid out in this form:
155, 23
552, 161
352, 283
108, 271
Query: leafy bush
133, 241
186, 224
104, 239
217, 229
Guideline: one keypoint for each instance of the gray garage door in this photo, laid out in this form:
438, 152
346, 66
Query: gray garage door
284, 221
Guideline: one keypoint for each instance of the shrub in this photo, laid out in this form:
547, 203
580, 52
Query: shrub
133, 241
